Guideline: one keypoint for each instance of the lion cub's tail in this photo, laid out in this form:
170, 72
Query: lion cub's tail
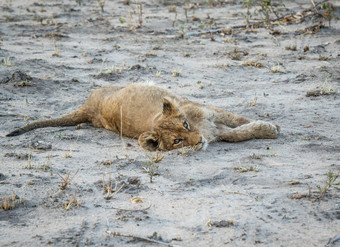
74, 118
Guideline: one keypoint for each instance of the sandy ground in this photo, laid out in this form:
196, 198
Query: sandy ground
255, 193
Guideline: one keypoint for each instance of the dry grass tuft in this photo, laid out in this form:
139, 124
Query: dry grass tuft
252, 64
72, 202
111, 192
176, 72
7, 204
277, 69
323, 89
242, 169
66, 180
328, 184
7, 62
254, 102
157, 158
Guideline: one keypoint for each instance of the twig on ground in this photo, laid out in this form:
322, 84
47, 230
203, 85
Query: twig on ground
258, 24
313, 3
332, 241
303, 195
140, 15
236, 193
13, 115
118, 234
121, 127
111, 195
318, 92
133, 210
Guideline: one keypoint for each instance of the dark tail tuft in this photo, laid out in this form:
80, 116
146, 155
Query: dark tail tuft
72, 119
16, 132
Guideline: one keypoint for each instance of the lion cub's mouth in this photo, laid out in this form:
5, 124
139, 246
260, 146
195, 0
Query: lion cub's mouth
202, 145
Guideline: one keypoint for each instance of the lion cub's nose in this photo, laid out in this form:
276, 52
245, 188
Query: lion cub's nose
203, 143
202, 140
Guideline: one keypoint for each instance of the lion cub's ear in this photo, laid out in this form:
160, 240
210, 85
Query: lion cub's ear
149, 140
168, 107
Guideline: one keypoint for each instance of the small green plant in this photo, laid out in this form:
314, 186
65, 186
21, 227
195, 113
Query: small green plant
328, 13
101, 4
122, 20
328, 184
136, 10
151, 167
181, 30
264, 8
58, 134
247, 4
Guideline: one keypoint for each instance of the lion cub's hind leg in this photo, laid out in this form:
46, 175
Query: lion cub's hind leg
253, 130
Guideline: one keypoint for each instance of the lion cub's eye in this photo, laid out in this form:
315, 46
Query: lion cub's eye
177, 141
186, 125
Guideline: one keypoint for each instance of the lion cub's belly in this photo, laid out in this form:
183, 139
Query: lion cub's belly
209, 130
203, 118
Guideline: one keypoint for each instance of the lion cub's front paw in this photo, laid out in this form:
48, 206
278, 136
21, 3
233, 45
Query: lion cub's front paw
266, 130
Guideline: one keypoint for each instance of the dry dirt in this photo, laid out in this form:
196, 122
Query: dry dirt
255, 193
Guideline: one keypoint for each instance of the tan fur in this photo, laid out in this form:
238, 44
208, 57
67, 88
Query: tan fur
159, 119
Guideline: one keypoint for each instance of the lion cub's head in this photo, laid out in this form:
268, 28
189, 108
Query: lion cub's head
172, 130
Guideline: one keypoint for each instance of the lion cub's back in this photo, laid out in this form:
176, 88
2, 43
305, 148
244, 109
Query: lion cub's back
142, 99
145, 93
137, 104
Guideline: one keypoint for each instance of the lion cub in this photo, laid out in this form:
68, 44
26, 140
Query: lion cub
159, 119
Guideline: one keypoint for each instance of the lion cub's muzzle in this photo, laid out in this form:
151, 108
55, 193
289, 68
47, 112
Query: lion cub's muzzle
152, 141
202, 144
